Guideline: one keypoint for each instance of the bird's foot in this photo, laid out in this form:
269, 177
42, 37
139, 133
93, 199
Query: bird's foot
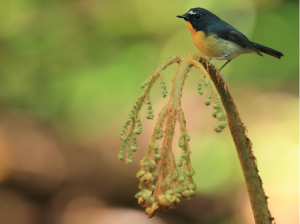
223, 78
214, 64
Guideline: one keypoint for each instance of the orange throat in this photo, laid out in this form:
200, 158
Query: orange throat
206, 45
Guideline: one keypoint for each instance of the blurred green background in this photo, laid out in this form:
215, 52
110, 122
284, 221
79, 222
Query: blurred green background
70, 72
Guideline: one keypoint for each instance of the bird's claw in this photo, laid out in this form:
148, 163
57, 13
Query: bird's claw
223, 78
214, 64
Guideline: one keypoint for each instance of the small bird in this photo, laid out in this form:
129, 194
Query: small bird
218, 40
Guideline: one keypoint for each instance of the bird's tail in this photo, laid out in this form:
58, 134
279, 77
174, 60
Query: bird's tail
268, 50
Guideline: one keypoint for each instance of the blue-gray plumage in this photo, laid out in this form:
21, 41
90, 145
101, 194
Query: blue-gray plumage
219, 40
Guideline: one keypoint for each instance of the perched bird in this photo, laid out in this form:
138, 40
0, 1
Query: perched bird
218, 40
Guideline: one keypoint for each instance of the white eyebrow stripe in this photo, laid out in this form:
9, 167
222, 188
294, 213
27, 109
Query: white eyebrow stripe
191, 12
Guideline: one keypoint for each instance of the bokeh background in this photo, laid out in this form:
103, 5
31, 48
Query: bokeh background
70, 72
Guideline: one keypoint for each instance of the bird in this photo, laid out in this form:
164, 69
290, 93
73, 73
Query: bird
219, 40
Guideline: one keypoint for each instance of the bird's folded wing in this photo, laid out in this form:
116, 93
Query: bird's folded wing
236, 37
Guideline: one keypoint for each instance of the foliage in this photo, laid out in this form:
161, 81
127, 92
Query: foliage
159, 163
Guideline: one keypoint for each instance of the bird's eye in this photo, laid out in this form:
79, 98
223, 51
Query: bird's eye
197, 16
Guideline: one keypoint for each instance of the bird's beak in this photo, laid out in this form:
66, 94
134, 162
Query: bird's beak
183, 17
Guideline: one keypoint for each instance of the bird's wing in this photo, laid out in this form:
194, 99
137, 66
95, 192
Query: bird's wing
236, 37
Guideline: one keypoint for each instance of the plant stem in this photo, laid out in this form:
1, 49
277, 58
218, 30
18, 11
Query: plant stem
243, 145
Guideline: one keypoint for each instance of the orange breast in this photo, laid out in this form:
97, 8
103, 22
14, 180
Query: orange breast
208, 46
